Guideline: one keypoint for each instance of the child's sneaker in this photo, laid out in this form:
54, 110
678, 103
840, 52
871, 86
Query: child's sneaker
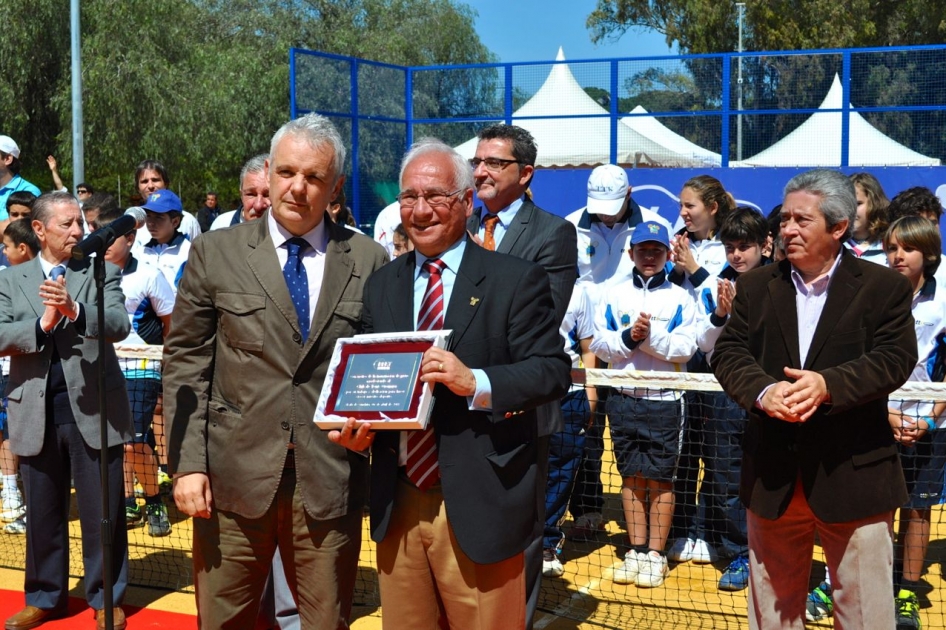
587, 527
551, 565
16, 527
908, 610
11, 505
158, 522
820, 605
627, 572
134, 516
652, 571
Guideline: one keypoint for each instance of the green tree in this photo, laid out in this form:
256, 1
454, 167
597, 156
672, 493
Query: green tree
202, 84
705, 26
774, 82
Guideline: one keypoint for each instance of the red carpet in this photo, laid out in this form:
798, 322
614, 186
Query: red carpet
80, 616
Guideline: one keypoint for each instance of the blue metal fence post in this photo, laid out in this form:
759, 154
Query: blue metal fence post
293, 107
507, 95
355, 149
727, 103
845, 108
613, 149
409, 105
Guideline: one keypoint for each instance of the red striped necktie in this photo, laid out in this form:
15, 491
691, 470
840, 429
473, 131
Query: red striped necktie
422, 468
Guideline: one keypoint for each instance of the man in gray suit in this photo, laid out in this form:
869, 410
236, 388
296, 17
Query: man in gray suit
258, 311
510, 223
49, 328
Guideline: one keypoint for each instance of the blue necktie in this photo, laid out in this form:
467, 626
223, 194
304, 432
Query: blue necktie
57, 272
297, 282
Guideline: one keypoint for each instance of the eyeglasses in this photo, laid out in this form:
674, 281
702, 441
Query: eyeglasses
82, 191
494, 165
434, 199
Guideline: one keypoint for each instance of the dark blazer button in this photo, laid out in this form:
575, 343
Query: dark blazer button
284, 425
296, 337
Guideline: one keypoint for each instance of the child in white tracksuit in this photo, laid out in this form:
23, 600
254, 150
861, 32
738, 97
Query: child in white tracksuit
646, 323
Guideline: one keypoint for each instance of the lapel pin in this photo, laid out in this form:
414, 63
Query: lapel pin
474, 300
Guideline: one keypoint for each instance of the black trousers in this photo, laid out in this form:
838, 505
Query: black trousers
46, 478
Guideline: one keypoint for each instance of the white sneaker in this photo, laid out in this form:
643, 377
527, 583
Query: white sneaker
652, 570
681, 550
627, 572
11, 506
551, 565
697, 550
703, 552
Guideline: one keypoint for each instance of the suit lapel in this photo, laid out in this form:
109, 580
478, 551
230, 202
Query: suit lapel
844, 286
782, 294
401, 311
32, 278
468, 292
517, 228
339, 266
78, 276
473, 223
264, 264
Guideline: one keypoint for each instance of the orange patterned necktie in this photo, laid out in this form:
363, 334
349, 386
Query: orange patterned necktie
489, 235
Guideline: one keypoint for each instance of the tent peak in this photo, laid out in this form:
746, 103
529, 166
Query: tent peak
561, 55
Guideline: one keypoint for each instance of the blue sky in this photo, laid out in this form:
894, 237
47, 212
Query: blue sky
531, 30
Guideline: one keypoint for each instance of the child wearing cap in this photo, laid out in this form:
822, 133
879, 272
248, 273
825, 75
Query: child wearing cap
149, 300
168, 248
646, 323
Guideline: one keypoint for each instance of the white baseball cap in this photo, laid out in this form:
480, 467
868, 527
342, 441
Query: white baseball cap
607, 189
7, 145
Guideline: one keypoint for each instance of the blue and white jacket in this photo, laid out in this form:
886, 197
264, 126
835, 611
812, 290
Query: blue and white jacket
672, 338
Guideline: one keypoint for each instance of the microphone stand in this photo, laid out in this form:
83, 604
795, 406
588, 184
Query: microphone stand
98, 266
99, 271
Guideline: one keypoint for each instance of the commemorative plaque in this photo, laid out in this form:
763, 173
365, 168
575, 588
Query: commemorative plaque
376, 378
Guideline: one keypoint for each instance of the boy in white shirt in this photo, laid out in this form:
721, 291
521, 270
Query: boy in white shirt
646, 323
168, 248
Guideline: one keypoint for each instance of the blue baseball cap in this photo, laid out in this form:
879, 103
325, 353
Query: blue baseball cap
651, 231
163, 201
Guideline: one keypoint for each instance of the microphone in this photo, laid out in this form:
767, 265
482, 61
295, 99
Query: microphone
99, 240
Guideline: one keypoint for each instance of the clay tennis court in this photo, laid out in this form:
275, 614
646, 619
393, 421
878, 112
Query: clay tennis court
584, 597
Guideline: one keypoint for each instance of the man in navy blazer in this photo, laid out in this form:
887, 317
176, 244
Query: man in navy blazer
456, 550
812, 349
502, 171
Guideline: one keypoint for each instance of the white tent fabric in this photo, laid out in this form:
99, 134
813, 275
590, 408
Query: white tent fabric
564, 142
817, 142
652, 128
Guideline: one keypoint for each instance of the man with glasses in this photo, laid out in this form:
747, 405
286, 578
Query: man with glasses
452, 527
508, 222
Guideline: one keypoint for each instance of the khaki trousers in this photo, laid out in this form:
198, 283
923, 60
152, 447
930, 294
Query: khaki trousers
859, 555
233, 556
428, 582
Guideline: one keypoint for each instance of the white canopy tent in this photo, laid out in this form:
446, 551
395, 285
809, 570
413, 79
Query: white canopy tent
817, 142
571, 142
650, 127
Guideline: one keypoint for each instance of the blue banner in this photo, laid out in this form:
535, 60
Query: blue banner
562, 191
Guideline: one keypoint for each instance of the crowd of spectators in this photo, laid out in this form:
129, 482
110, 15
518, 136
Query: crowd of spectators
627, 293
